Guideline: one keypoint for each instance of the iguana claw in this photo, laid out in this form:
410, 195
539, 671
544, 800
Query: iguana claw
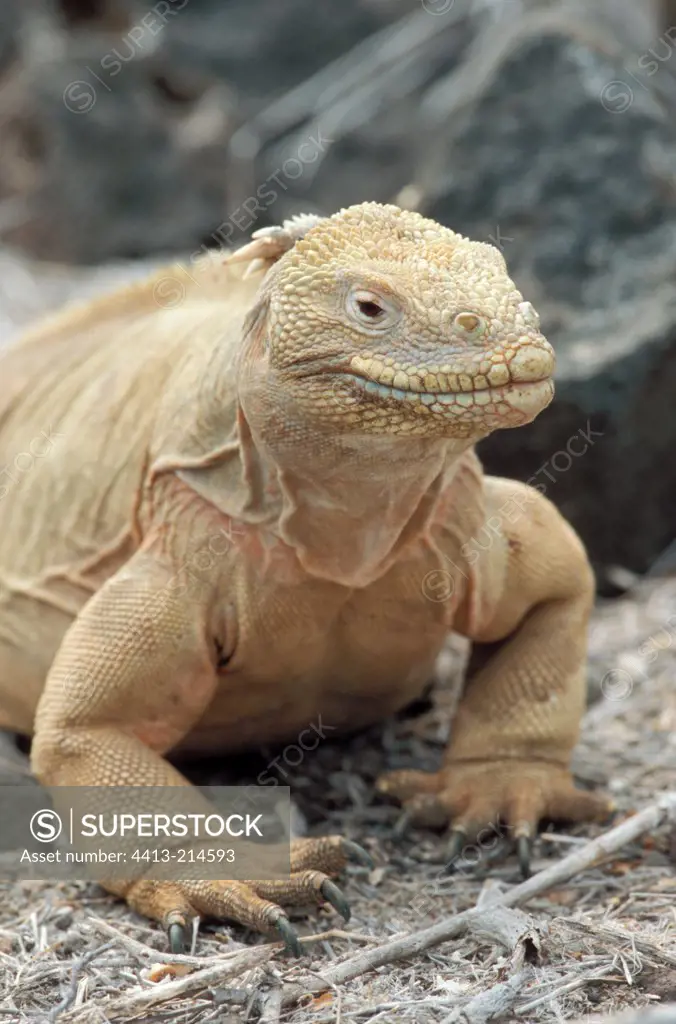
177, 937
289, 936
523, 851
334, 896
455, 844
402, 825
353, 851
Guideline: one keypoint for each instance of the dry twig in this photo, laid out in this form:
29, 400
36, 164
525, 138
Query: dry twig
615, 935
518, 933
141, 1000
76, 971
492, 1004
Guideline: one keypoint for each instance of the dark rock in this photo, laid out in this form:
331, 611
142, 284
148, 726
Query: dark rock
265, 48
9, 31
116, 179
367, 108
121, 112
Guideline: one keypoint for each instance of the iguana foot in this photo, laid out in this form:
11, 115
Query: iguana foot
480, 798
255, 904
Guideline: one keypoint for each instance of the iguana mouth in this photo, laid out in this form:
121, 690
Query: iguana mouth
464, 399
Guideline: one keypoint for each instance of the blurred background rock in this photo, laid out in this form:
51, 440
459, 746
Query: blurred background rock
136, 130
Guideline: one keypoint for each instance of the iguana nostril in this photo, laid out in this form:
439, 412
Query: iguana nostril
531, 363
468, 321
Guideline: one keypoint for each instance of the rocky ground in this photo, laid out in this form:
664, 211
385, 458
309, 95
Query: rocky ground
601, 941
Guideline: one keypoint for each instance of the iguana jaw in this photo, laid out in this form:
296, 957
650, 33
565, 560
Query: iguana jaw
463, 397
524, 396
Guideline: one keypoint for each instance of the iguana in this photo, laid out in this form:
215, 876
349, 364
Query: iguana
292, 427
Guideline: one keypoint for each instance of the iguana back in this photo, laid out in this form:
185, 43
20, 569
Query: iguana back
78, 404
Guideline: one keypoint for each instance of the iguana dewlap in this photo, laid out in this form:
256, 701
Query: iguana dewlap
244, 495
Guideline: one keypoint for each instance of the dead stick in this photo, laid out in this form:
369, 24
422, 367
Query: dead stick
76, 971
568, 986
139, 1000
142, 950
617, 934
417, 942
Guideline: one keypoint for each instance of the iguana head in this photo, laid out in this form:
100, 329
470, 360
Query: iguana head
383, 322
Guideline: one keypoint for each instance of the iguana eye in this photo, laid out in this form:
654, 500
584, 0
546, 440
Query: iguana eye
371, 310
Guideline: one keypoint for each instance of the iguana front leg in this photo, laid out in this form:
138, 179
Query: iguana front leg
518, 721
132, 676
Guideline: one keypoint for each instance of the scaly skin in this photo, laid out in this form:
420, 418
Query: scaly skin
291, 442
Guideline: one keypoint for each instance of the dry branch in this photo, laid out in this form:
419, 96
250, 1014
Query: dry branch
76, 971
518, 933
271, 1007
568, 986
140, 949
141, 1000
492, 1004
615, 935
377, 59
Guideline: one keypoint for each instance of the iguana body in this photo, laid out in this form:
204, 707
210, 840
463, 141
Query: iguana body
261, 505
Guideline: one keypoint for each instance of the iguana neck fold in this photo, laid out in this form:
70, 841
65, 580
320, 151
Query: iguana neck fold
345, 504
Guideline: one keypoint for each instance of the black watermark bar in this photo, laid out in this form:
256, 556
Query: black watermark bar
109, 833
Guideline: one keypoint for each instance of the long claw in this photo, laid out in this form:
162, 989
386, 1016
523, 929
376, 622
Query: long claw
503, 849
455, 845
402, 825
289, 937
177, 938
353, 851
523, 855
334, 896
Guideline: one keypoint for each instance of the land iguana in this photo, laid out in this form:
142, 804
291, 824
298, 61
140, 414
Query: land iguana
304, 413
